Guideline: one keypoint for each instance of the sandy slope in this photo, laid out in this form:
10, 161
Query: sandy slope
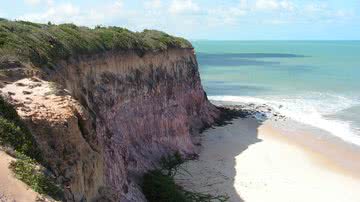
253, 162
11, 189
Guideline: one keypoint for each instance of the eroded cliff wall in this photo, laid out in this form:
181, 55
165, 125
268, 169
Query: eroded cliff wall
143, 107
119, 114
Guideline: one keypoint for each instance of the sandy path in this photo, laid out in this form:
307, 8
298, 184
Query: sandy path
12, 189
253, 163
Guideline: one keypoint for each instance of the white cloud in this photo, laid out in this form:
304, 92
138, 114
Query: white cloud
50, 2
112, 9
153, 4
344, 14
39, 2
225, 15
266, 4
315, 7
32, 2
321, 12
60, 13
287, 5
183, 6
276, 21
244, 4
270, 5
183, 17
118, 4
68, 9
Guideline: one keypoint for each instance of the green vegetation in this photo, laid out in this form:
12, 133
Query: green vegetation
14, 134
159, 184
43, 45
29, 171
159, 187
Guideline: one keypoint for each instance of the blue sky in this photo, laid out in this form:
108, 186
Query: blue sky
203, 19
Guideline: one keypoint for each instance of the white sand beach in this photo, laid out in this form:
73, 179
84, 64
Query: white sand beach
256, 162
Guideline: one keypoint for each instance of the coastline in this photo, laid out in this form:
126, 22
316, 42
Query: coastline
252, 160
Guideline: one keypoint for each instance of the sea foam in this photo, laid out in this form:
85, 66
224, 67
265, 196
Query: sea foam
311, 109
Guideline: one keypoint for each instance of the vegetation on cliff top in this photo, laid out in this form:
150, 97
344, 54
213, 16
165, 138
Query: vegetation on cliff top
43, 45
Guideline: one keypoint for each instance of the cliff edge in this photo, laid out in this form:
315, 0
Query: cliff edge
104, 104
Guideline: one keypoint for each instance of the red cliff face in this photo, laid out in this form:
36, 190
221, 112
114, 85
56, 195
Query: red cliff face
139, 108
107, 114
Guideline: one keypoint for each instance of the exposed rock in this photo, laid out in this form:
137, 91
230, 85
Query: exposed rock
120, 113
57, 128
261, 112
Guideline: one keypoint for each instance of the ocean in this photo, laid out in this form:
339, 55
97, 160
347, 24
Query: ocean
316, 83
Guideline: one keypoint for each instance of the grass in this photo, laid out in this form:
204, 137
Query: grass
27, 166
30, 172
43, 45
15, 134
159, 185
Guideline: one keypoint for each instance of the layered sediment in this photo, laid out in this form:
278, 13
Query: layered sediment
102, 120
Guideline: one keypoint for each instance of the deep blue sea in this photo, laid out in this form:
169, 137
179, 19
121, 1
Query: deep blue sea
313, 82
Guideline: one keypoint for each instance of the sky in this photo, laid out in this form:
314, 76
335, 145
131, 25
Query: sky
203, 19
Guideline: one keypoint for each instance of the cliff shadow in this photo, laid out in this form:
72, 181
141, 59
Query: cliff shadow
214, 171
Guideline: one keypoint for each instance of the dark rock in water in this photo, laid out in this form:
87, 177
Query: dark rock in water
262, 111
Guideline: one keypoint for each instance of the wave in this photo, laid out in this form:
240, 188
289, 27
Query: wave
311, 109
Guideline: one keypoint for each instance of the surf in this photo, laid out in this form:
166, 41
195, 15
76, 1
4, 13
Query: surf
311, 109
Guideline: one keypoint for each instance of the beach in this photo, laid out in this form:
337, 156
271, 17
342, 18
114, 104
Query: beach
302, 142
256, 161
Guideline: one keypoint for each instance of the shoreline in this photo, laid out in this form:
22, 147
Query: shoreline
331, 151
254, 160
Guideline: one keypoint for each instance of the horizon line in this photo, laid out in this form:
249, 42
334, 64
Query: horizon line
274, 39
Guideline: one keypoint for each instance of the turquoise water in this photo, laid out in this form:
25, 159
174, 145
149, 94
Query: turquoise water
314, 82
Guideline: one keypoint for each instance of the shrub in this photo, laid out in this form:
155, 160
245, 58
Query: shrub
30, 172
171, 164
27, 167
15, 134
43, 45
159, 185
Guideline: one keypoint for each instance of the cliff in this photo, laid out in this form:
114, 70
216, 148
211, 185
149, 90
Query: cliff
105, 116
